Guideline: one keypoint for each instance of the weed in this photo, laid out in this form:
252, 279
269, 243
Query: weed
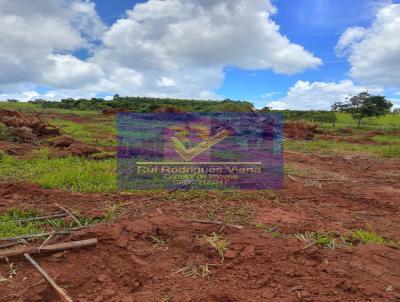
157, 241
326, 240
271, 230
12, 271
364, 236
112, 213
218, 243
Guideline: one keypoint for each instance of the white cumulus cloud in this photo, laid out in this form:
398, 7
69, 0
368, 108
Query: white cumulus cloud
318, 95
175, 48
36, 37
374, 52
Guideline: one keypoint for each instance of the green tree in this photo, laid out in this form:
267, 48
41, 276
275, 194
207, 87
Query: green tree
364, 105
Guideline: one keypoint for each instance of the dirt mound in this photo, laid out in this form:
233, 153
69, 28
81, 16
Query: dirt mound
113, 111
346, 130
299, 130
22, 127
63, 141
17, 149
66, 145
376, 132
168, 109
23, 133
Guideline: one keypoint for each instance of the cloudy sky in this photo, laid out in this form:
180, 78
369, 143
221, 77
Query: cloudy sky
297, 54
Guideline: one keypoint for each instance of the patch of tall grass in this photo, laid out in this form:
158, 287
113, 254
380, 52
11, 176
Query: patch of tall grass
70, 173
326, 147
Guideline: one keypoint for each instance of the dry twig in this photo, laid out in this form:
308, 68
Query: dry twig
49, 248
69, 213
62, 292
31, 236
235, 226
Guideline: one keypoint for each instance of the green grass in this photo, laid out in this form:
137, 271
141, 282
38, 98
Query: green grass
326, 147
331, 241
19, 106
24, 106
368, 237
70, 173
101, 133
395, 139
326, 240
8, 228
387, 122
12, 226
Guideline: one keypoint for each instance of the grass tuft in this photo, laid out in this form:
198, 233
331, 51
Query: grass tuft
10, 228
218, 243
71, 173
364, 236
326, 240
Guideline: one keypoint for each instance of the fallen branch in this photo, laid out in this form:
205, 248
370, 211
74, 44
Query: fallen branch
62, 292
69, 213
49, 248
39, 218
292, 178
13, 243
235, 226
62, 232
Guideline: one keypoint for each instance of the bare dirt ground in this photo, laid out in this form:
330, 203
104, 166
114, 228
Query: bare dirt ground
153, 253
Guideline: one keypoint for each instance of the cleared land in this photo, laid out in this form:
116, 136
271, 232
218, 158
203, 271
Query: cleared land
333, 233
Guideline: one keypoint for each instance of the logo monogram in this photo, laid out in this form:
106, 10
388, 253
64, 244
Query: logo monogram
181, 137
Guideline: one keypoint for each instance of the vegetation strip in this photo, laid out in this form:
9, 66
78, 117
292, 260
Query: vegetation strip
38, 218
31, 236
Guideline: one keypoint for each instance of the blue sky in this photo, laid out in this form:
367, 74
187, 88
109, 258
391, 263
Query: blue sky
123, 57
314, 24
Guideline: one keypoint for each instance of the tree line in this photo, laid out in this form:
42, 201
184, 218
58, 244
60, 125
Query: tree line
359, 106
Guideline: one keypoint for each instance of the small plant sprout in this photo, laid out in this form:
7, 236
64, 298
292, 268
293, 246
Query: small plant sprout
112, 213
271, 230
218, 243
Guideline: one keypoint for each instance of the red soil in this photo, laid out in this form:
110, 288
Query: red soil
299, 130
332, 193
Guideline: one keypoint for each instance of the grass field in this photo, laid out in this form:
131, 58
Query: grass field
387, 122
90, 175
